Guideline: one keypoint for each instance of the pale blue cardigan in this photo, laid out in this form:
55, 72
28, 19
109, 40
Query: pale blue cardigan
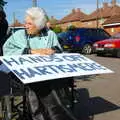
17, 42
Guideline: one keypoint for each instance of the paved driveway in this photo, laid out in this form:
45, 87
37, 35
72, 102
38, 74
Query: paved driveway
103, 91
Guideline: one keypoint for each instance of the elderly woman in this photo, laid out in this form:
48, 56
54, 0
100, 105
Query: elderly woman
36, 39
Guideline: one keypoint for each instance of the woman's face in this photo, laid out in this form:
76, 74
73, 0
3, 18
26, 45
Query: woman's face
30, 26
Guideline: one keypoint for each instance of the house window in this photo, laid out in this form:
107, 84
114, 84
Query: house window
89, 23
112, 30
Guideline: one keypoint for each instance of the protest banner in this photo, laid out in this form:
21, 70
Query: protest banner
34, 68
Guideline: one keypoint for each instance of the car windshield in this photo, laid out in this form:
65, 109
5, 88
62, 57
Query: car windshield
117, 35
63, 34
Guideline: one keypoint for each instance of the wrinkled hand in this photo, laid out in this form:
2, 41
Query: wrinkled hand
46, 51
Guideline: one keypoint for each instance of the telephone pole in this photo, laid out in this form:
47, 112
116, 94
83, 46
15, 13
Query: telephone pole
97, 17
34, 3
14, 18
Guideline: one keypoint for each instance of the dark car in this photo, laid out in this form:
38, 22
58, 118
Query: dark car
108, 46
62, 37
82, 39
14, 29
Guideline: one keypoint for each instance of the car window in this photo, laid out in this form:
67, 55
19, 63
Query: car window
63, 34
88, 33
103, 33
98, 33
95, 32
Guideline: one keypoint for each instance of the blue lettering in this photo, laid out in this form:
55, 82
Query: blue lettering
73, 67
33, 72
52, 68
11, 61
80, 66
95, 66
56, 59
35, 59
23, 60
46, 58
75, 58
85, 67
79, 58
51, 58
43, 70
63, 68
22, 73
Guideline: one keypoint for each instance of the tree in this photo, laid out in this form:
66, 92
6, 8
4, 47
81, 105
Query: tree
57, 29
71, 27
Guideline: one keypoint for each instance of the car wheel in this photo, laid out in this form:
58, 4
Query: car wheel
87, 49
118, 54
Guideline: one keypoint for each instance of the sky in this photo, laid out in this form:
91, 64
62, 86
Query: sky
56, 8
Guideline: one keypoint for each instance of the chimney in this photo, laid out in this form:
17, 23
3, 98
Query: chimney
77, 10
73, 10
113, 3
52, 17
105, 5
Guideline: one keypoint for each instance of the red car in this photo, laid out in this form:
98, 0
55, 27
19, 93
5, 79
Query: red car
108, 46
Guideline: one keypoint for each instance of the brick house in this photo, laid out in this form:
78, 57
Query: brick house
100, 15
95, 19
16, 24
53, 21
74, 18
112, 25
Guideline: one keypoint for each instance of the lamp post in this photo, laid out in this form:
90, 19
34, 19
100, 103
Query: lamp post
34, 3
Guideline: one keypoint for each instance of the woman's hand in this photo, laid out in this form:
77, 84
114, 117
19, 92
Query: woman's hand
46, 51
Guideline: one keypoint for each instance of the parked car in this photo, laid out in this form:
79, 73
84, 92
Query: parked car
14, 29
108, 46
82, 39
62, 37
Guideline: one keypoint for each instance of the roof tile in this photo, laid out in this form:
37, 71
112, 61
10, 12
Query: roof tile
76, 15
104, 12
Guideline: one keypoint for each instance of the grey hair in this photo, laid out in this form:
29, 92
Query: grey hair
38, 16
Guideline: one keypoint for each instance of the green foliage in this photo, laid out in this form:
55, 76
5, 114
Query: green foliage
47, 18
71, 27
57, 29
